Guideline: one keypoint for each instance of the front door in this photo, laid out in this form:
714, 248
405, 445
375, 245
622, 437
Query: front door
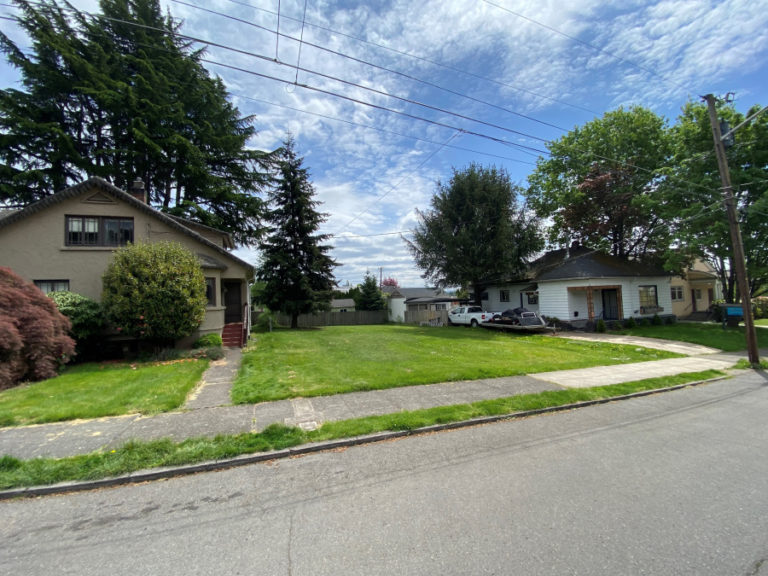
693, 301
610, 305
232, 301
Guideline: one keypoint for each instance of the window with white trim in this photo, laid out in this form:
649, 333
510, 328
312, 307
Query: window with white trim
678, 295
648, 296
503, 295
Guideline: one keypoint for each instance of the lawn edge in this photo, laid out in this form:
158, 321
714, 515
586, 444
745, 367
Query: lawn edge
310, 448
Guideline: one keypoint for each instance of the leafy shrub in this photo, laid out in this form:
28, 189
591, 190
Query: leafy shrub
154, 292
211, 352
207, 341
644, 322
671, 319
34, 340
600, 326
265, 321
656, 320
630, 323
87, 318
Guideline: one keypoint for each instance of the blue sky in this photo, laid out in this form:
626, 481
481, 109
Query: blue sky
449, 83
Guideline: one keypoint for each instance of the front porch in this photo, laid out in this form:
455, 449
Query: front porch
590, 303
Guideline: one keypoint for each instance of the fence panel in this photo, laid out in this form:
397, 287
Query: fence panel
430, 317
357, 318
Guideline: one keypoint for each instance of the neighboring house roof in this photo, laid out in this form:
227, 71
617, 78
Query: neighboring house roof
409, 293
105, 187
342, 303
582, 262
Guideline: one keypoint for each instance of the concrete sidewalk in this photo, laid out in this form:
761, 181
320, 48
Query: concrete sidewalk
207, 411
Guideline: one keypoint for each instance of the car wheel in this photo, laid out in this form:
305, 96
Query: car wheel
473, 323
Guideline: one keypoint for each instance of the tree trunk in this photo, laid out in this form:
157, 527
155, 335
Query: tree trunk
294, 321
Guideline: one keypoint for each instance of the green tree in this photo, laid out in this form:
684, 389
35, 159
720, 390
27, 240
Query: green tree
694, 192
154, 292
600, 184
121, 95
475, 232
369, 297
87, 318
296, 269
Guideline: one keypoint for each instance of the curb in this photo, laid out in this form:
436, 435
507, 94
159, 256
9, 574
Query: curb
246, 459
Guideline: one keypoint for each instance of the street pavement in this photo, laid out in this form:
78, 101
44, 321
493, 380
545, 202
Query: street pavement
208, 411
667, 484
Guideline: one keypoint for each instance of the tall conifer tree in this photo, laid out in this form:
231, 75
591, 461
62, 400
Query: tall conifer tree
296, 268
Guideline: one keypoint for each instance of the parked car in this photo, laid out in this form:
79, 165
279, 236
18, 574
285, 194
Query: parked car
469, 316
518, 317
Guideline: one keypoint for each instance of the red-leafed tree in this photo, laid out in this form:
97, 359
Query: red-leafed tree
390, 282
34, 341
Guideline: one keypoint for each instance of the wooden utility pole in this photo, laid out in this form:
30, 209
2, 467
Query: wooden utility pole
738, 263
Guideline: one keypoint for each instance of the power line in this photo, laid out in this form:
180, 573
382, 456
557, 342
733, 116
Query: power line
376, 66
587, 44
382, 130
423, 59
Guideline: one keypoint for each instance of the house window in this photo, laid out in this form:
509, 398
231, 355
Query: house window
484, 296
48, 286
648, 297
698, 294
533, 298
677, 294
98, 231
441, 306
503, 295
210, 291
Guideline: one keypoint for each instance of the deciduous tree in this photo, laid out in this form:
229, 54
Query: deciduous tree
600, 184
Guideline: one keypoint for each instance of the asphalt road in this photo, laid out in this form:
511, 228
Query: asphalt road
670, 484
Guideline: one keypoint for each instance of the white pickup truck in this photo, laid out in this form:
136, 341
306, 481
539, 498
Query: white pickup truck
469, 316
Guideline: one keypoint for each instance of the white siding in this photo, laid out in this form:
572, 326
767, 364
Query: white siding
494, 303
397, 309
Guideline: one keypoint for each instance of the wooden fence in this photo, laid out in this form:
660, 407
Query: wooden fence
357, 318
431, 317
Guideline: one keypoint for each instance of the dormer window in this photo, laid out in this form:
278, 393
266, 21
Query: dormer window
98, 231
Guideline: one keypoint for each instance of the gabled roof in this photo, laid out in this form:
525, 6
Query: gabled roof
409, 293
582, 262
96, 183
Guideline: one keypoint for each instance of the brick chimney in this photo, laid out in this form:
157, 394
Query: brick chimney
137, 190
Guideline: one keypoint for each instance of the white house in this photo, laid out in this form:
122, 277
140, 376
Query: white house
579, 284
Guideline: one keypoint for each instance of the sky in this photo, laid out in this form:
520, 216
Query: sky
386, 98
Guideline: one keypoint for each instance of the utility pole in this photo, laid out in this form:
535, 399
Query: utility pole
738, 263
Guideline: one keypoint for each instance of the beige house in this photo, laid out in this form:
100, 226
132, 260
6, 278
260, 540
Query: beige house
65, 242
694, 293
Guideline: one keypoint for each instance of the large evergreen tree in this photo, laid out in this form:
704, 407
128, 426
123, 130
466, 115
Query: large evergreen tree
475, 232
296, 268
121, 95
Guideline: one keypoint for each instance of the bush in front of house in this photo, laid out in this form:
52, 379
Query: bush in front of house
154, 292
86, 317
34, 335
630, 322
208, 341
600, 326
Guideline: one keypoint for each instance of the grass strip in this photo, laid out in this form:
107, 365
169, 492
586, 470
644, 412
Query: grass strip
139, 455
97, 390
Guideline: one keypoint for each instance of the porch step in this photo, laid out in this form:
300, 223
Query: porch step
699, 317
232, 335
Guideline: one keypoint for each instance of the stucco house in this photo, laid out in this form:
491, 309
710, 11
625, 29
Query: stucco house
578, 285
694, 293
65, 242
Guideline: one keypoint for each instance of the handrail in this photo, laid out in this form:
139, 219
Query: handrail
246, 323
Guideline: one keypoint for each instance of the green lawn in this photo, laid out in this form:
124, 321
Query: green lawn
762, 322
339, 359
135, 456
709, 334
96, 390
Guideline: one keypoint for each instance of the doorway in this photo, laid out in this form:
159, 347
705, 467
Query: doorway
232, 301
610, 304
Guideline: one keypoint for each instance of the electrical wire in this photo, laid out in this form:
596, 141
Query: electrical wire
424, 59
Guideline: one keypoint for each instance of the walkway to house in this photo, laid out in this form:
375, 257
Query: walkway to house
208, 411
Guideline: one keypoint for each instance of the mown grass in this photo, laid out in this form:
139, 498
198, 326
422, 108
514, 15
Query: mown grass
97, 390
134, 456
712, 335
339, 359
